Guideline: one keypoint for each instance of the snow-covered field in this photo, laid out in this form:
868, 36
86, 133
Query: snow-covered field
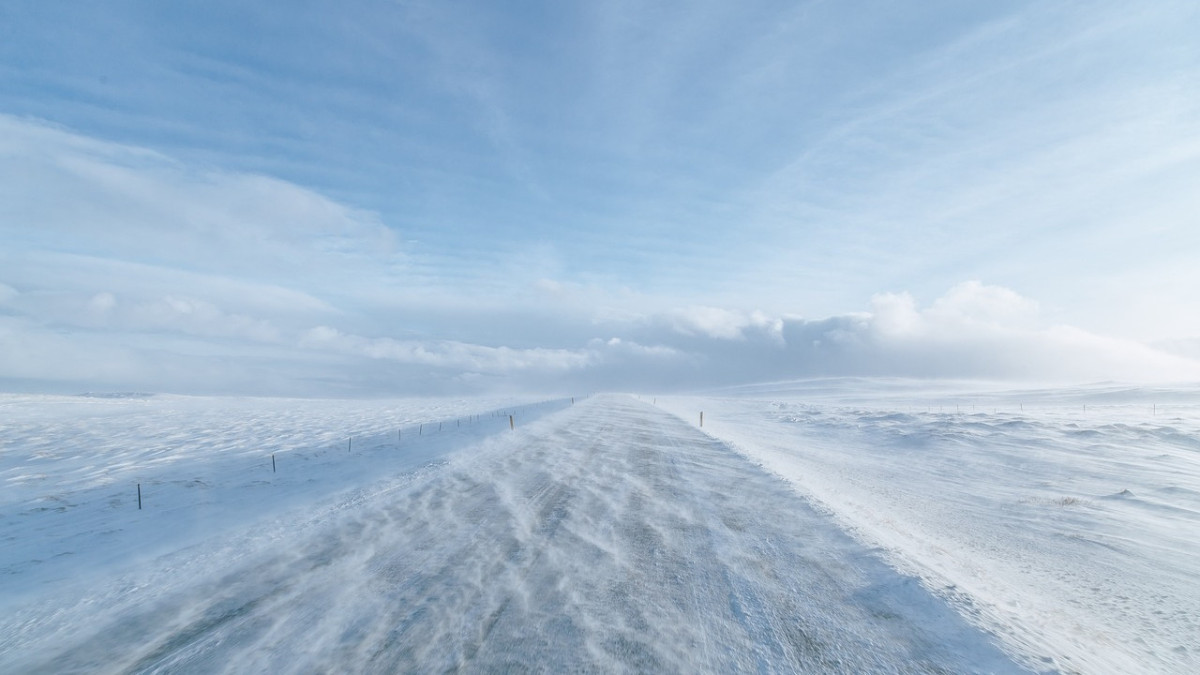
1066, 520
606, 536
70, 467
989, 531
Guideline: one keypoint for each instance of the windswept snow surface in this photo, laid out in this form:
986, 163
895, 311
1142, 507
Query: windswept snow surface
607, 536
70, 467
1065, 520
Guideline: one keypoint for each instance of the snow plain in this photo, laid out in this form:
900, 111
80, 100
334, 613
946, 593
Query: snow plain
607, 536
1065, 520
70, 466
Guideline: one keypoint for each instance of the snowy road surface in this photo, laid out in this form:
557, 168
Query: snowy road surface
609, 537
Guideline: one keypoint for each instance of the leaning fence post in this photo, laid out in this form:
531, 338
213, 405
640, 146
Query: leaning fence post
272, 462
139, 496
511, 426
701, 418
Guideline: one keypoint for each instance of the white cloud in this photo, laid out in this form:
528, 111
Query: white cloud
973, 303
616, 349
145, 312
967, 307
193, 316
974, 330
895, 314
68, 194
982, 330
721, 324
180, 343
448, 354
102, 303
549, 287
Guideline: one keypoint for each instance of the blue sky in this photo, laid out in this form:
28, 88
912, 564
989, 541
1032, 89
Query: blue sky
239, 197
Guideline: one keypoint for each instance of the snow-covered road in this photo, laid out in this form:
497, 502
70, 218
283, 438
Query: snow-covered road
607, 537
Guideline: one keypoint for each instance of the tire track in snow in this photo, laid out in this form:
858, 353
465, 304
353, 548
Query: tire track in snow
611, 537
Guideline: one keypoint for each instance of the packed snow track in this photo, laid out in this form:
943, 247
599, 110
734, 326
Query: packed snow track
610, 537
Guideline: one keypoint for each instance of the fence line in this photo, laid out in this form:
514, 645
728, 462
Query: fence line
365, 440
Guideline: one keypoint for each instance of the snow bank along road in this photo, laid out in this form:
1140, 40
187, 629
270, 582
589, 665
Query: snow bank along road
609, 537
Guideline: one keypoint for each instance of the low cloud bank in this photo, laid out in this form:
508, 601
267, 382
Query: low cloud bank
973, 331
187, 345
